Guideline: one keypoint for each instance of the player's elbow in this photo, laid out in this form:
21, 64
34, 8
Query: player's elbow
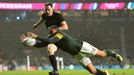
64, 25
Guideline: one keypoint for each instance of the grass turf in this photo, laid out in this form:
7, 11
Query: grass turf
69, 72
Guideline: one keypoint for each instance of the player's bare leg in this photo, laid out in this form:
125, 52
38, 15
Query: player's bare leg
87, 64
90, 67
100, 53
51, 50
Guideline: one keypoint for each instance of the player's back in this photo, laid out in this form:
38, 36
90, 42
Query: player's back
69, 44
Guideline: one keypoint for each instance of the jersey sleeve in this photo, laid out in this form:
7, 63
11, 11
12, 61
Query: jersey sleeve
40, 44
59, 36
60, 18
53, 39
56, 38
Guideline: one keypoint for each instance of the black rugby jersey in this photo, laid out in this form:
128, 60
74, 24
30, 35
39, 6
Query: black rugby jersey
55, 19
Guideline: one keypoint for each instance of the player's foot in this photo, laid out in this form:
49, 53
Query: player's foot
118, 57
53, 73
107, 73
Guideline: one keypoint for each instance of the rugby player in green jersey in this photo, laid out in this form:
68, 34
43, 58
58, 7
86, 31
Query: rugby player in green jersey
80, 50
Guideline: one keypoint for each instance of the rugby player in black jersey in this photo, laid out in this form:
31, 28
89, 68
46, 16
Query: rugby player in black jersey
50, 17
80, 50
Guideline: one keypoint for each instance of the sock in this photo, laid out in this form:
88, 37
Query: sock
111, 54
53, 62
99, 72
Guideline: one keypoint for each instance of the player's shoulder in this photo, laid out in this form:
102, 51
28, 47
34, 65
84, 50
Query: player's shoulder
44, 14
40, 13
57, 13
59, 35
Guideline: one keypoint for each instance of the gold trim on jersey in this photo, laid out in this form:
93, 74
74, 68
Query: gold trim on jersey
60, 36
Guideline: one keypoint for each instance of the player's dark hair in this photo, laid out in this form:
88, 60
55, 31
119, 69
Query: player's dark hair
49, 4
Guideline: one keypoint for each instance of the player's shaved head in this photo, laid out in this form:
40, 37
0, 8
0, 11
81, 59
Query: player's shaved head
52, 29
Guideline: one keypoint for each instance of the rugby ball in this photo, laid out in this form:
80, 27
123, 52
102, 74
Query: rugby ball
29, 41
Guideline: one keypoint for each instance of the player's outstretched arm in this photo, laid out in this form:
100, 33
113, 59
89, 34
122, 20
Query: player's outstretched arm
31, 34
29, 40
38, 23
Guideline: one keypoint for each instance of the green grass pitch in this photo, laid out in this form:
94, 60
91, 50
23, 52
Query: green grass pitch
69, 72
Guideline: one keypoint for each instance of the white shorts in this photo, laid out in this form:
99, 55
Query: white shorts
86, 51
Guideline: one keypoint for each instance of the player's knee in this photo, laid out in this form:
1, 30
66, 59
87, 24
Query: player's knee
86, 61
51, 49
89, 66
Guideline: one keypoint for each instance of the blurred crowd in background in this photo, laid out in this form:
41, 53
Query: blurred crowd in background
105, 29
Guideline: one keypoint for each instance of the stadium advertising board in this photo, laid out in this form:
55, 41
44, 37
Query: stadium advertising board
90, 6
21, 6
61, 6
130, 5
112, 6
76, 6
66, 6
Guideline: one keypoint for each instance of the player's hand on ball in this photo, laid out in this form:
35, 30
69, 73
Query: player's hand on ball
22, 37
31, 34
27, 41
